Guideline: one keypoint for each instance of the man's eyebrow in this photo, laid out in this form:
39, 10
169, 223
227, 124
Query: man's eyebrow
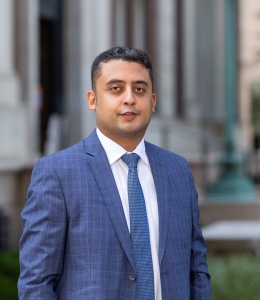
115, 81
140, 82
122, 81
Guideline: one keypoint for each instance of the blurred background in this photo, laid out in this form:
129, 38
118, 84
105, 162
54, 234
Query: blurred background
206, 59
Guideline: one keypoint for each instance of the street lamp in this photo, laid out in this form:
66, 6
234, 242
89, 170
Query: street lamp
232, 186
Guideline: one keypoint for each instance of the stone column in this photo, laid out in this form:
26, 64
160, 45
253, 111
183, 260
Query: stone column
16, 151
192, 108
12, 112
86, 34
249, 68
94, 40
27, 49
166, 58
205, 61
219, 60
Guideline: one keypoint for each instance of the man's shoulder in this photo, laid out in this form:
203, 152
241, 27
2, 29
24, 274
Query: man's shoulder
70, 155
174, 164
61, 158
165, 154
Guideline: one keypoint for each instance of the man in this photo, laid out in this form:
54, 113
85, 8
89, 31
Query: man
114, 217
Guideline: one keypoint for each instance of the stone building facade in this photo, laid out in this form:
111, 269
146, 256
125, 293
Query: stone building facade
45, 63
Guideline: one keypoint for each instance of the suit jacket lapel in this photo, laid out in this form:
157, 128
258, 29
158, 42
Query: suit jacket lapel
102, 171
161, 182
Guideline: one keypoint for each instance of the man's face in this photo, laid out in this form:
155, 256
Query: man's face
123, 100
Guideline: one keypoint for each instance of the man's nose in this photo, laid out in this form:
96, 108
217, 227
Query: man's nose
129, 98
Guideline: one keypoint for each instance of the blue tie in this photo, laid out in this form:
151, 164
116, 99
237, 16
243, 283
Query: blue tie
139, 231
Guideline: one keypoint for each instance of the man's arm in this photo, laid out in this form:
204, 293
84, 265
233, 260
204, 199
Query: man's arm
43, 239
200, 286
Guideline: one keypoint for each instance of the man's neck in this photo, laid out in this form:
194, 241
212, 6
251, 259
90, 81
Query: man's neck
128, 143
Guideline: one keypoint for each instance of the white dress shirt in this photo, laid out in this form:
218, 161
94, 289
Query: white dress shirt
120, 172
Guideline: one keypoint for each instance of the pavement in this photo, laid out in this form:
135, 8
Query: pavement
233, 236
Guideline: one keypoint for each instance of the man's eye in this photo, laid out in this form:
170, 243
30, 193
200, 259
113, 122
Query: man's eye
140, 89
115, 88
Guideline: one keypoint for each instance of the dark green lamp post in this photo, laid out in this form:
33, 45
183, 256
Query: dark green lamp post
232, 186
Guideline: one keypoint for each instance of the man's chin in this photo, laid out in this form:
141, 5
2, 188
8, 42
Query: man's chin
132, 131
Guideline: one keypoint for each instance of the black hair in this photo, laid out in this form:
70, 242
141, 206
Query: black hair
121, 53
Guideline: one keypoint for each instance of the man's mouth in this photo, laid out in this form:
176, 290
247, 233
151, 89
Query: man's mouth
129, 115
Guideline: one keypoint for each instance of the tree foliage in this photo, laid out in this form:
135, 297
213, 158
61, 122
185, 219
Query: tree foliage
9, 273
235, 278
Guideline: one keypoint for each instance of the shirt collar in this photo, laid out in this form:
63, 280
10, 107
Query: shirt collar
115, 151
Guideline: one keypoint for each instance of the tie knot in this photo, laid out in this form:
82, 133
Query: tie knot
131, 160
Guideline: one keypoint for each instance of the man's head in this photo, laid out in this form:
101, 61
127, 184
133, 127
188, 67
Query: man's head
122, 95
120, 53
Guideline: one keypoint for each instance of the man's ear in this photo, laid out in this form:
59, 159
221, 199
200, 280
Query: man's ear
153, 102
92, 101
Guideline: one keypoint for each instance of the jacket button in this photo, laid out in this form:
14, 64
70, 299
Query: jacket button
132, 277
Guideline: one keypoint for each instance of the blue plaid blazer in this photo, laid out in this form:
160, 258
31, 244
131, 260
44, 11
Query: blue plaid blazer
76, 244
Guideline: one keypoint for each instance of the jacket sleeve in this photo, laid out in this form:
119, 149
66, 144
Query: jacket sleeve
43, 239
200, 287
